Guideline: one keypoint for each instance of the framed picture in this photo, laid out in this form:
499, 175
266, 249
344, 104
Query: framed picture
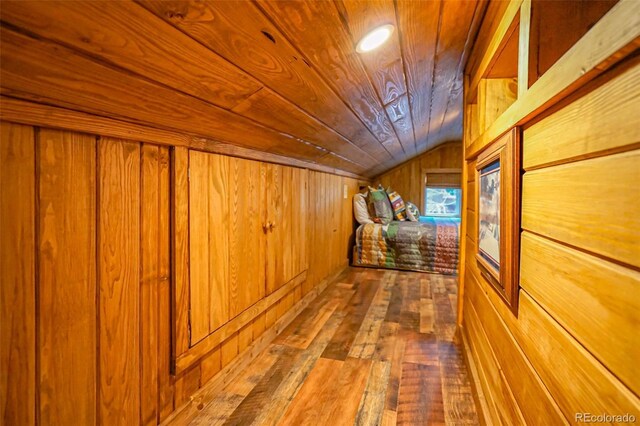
498, 215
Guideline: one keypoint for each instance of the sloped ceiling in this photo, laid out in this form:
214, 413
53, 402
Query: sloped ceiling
276, 76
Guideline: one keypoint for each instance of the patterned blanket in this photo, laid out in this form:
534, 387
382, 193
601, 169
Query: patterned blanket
429, 245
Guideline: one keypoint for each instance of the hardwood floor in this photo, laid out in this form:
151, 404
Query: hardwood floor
376, 347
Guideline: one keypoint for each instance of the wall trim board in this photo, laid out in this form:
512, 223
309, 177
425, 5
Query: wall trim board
209, 343
35, 114
496, 43
200, 399
612, 39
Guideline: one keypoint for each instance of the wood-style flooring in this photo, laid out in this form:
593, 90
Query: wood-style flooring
376, 347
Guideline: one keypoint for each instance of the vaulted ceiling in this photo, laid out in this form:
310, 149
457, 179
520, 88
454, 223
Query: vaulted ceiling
276, 76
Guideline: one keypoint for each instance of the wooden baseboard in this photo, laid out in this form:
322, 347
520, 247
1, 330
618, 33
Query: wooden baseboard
189, 410
478, 394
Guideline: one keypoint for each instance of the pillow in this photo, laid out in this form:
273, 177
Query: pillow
379, 205
360, 209
413, 214
397, 205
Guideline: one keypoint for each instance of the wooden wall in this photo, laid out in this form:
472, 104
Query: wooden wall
573, 347
87, 261
408, 178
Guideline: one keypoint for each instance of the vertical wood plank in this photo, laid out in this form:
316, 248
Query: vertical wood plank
210, 366
180, 248
302, 224
275, 272
67, 278
218, 197
199, 246
294, 223
165, 380
247, 236
119, 278
285, 225
17, 274
228, 350
149, 284
187, 385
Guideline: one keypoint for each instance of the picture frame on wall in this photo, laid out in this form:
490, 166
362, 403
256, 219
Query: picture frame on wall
498, 218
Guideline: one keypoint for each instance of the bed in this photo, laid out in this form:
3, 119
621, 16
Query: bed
429, 245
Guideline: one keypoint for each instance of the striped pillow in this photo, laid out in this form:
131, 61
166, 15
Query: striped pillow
397, 204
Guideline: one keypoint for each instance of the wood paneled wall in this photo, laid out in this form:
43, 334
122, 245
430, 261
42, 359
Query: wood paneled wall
408, 178
573, 347
85, 255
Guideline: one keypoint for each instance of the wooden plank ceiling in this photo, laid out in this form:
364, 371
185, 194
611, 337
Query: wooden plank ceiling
277, 76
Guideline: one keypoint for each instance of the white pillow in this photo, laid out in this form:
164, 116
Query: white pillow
360, 210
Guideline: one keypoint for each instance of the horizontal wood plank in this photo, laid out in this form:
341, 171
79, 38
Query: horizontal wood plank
594, 300
558, 202
577, 381
604, 120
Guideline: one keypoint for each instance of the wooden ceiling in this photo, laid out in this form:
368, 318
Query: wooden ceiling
276, 76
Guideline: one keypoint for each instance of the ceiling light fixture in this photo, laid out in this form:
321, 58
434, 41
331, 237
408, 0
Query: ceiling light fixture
374, 38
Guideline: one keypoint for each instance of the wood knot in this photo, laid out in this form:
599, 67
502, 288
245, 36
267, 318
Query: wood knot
269, 36
175, 16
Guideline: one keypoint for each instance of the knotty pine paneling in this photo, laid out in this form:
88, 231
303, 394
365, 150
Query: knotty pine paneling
209, 234
118, 227
97, 210
67, 281
17, 274
247, 237
573, 337
180, 248
155, 381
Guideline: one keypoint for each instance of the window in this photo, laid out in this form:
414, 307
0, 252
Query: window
443, 202
442, 193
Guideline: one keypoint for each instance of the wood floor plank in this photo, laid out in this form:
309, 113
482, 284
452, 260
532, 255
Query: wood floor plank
426, 316
456, 387
375, 348
365, 342
340, 345
304, 334
344, 403
319, 386
224, 407
268, 381
295, 377
420, 398
371, 407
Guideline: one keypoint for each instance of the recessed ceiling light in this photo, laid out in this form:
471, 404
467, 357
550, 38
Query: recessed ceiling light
374, 38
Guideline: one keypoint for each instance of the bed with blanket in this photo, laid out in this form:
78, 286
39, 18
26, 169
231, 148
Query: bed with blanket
429, 245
